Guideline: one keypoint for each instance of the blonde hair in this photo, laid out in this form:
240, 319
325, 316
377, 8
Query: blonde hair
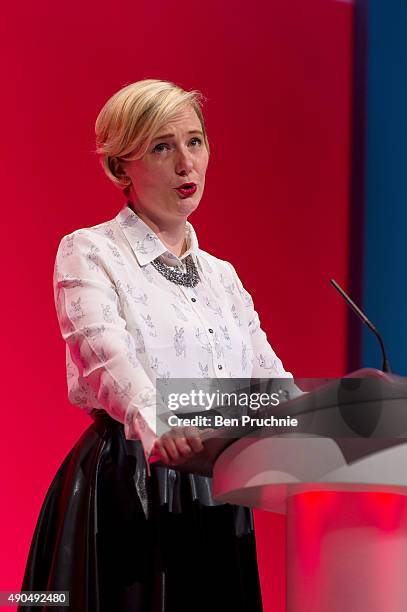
131, 117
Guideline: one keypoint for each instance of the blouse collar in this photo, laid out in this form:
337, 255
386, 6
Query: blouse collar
146, 244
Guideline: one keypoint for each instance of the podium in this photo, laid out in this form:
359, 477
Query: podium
342, 484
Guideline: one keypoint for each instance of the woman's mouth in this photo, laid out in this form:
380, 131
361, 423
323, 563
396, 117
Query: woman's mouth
186, 190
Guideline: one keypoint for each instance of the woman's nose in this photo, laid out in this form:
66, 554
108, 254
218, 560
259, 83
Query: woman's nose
184, 163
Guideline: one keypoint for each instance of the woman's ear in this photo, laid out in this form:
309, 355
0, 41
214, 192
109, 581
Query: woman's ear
117, 169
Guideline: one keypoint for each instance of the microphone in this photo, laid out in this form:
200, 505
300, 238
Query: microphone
363, 317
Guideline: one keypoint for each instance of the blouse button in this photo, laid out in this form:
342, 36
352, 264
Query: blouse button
210, 330
193, 299
219, 367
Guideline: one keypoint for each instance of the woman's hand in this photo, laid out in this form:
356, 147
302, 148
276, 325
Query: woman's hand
178, 445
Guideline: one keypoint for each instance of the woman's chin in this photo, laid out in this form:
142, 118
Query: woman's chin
186, 206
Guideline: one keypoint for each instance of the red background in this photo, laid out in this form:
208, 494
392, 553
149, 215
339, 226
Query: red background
277, 77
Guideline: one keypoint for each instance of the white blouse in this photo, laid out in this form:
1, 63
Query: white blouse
126, 325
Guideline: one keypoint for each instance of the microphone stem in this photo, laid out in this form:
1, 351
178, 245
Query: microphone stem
365, 320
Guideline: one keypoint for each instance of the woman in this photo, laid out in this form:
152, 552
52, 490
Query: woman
137, 300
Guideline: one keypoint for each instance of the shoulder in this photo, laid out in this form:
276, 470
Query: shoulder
95, 237
227, 275
215, 264
222, 268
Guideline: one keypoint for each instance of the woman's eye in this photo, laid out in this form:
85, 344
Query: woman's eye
195, 141
162, 146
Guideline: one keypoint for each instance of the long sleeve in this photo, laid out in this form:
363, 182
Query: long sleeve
265, 361
104, 353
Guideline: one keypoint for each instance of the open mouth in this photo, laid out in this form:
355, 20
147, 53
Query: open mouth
187, 189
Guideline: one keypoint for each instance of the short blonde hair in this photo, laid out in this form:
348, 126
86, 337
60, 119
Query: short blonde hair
131, 118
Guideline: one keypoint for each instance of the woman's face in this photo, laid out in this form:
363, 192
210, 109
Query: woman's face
176, 156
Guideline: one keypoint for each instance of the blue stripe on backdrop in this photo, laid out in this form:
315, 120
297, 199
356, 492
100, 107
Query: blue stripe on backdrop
385, 241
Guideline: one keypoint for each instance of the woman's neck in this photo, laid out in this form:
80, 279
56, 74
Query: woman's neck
172, 235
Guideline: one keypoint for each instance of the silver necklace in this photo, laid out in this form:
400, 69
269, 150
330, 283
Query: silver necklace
189, 278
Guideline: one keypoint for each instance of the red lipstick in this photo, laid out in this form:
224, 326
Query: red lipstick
186, 190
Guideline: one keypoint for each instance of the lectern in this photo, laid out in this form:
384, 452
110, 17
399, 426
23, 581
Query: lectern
342, 482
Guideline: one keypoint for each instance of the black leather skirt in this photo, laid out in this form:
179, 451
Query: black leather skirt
121, 541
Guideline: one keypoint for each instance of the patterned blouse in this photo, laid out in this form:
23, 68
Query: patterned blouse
126, 325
